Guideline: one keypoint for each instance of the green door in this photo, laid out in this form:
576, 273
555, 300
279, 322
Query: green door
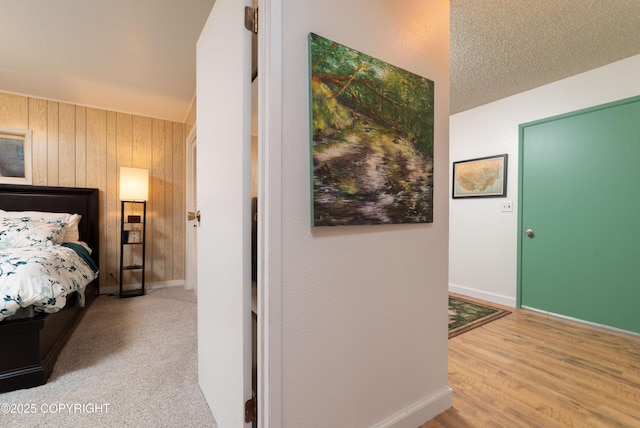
580, 215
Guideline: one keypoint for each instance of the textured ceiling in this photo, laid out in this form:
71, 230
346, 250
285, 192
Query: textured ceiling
502, 47
139, 56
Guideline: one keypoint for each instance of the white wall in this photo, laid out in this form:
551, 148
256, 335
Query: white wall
364, 337
482, 239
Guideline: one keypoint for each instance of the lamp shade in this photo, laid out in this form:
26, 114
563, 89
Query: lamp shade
134, 184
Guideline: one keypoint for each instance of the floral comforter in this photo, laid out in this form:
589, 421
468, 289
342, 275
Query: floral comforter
42, 277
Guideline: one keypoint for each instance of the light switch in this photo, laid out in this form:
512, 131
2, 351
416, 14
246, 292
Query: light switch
507, 206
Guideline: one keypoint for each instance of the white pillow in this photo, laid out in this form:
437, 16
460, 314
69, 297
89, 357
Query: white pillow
25, 232
38, 214
70, 232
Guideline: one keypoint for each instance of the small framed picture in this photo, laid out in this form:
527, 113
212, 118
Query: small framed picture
134, 219
480, 178
134, 237
15, 156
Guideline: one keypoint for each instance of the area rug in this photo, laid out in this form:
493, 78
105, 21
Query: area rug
465, 315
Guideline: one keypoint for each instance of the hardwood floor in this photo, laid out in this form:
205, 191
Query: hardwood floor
533, 370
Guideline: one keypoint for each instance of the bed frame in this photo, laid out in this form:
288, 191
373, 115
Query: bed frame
31, 346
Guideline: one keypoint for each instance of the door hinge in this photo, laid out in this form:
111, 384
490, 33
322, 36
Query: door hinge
251, 19
250, 410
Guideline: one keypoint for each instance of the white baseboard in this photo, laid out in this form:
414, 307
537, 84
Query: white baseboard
149, 286
593, 324
165, 284
419, 412
483, 295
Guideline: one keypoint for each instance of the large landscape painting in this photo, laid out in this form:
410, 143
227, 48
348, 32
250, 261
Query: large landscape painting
372, 139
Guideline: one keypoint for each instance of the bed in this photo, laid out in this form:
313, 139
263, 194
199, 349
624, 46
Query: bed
31, 345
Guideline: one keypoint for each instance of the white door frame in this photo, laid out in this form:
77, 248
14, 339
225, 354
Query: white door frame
270, 214
190, 277
270, 217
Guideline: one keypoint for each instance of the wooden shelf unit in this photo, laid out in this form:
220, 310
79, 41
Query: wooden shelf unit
133, 240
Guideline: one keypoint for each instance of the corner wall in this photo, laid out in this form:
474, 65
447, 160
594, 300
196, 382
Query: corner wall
482, 239
77, 146
364, 336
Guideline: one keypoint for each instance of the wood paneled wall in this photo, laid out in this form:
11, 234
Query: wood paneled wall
76, 146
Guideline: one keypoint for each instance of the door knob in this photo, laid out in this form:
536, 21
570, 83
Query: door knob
193, 215
529, 233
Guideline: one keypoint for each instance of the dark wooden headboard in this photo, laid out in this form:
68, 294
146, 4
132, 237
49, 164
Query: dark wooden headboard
70, 200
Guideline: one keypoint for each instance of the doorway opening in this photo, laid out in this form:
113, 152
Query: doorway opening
193, 215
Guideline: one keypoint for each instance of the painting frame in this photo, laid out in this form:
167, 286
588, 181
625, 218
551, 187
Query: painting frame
134, 237
372, 139
15, 156
484, 177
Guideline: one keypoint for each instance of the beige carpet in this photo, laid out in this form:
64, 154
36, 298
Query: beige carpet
131, 362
